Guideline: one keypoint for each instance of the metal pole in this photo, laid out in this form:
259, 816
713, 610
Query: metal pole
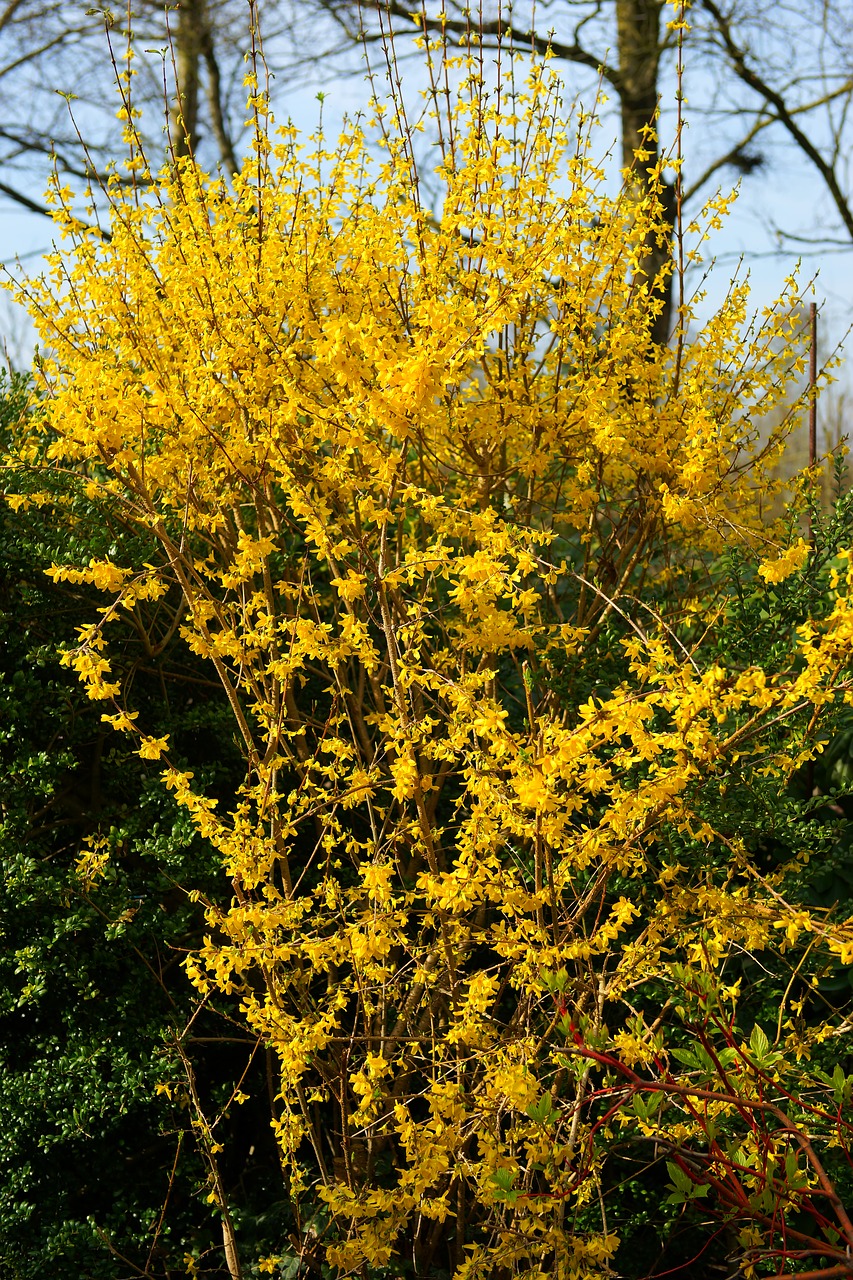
813, 385
812, 399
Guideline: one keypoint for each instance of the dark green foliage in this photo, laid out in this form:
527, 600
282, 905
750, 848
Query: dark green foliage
101, 1175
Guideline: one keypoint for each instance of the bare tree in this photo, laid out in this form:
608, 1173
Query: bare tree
58, 68
197, 59
759, 79
761, 82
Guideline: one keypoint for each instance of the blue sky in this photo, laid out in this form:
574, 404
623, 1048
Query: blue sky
784, 193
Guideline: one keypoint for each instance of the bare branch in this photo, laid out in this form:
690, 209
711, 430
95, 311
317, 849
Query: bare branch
783, 113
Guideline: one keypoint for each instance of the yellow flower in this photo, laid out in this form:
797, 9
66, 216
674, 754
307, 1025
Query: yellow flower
787, 563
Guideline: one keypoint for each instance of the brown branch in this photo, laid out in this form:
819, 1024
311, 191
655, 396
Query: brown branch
497, 30
229, 1240
785, 115
227, 153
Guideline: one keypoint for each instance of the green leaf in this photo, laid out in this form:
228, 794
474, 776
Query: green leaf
542, 1110
679, 1178
687, 1056
758, 1043
564, 1026
504, 1178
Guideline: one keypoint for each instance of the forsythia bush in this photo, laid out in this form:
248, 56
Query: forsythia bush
458, 540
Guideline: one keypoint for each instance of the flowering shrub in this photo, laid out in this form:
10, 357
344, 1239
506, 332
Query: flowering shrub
455, 533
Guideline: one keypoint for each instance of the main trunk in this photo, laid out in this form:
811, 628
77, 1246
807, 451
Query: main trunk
638, 26
189, 46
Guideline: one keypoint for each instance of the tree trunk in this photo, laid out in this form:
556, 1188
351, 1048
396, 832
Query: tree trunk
188, 44
638, 33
